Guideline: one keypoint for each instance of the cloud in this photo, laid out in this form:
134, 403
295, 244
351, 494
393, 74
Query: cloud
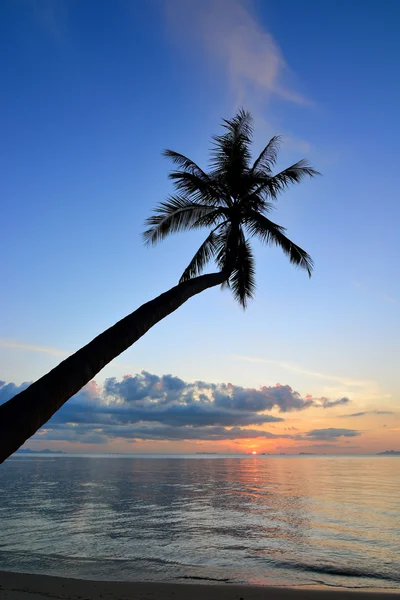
9, 390
321, 447
318, 447
356, 383
171, 401
245, 55
330, 435
13, 345
149, 397
148, 406
36, 348
266, 398
233, 38
368, 412
69, 433
388, 299
383, 297
82, 434
326, 402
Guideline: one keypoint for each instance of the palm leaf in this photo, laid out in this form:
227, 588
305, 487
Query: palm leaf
240, 124
209, 219
176, 214
242, 280
294, 174
203, 255
230, 155
254, 198
222, 246
268, 156
271, 233
196, 187
185, 163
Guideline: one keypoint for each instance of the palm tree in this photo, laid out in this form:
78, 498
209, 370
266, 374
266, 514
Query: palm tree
233, 199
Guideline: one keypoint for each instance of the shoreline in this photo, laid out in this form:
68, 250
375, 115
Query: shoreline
25, 586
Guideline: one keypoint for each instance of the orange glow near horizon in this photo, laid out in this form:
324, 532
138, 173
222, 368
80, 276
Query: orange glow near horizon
371, 433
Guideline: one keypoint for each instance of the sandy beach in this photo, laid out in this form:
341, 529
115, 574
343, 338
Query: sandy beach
17, 586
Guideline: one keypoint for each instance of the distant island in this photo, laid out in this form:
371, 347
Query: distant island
389, 453
47, 451
273, 454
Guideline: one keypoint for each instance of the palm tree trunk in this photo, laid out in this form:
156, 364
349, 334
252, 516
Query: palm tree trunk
28, 411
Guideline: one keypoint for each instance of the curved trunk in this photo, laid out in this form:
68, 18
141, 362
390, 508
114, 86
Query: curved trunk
28, 411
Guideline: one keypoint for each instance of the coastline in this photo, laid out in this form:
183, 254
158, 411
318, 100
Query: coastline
24, 586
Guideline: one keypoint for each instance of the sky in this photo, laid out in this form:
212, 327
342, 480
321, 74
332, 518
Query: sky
92, 92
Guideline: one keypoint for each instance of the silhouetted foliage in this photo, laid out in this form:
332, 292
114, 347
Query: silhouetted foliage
233, 199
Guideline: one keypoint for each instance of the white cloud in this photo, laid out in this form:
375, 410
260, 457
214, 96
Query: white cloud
232, 37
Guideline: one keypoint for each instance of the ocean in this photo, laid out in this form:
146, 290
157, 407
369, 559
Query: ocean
290, 521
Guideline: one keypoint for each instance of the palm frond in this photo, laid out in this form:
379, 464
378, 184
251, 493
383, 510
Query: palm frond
267, 158
216, 215
254, 198
294, 174
260, 204
196, 187
185, 163
208, 220
222, 242
203, 255
230, 155
175, 214
272, 233
240, 124
242, 280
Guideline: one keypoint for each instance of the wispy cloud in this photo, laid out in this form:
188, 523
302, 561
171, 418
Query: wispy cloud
299, 369
14, 345
387, 298
233, 38
320, 447
50, 351
368, 412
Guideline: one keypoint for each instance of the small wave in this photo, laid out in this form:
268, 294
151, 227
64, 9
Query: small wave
49, 557
198, 578
337, 571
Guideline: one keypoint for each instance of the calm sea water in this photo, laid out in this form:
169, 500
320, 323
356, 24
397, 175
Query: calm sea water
274, 521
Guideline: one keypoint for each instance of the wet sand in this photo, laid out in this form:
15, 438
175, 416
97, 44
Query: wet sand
17, 586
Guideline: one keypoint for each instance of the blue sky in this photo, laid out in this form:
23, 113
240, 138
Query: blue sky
94, 91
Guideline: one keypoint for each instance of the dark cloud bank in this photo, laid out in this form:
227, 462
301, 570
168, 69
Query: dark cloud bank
149, 407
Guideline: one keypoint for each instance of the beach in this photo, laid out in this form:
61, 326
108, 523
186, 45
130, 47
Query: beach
18, 586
